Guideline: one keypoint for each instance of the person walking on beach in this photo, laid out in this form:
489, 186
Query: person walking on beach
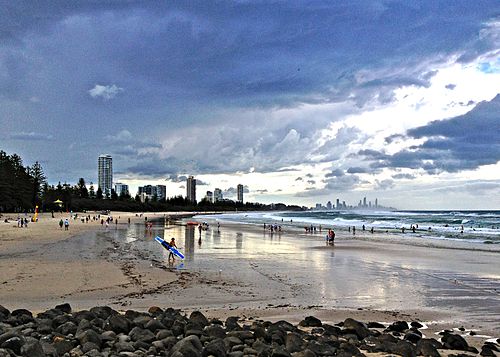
61, 223
172, 244
66, 224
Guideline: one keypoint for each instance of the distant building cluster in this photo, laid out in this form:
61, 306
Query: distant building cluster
363, 204
152, 192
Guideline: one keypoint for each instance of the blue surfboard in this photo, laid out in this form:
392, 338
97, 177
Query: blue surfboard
168, 247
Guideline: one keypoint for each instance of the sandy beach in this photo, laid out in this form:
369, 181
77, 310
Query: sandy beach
246, 271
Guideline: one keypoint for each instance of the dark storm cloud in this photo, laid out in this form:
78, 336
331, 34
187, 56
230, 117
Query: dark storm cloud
83, 68
464, 142
176, 178
332, 184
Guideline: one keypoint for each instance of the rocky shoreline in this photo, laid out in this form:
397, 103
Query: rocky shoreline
104, 332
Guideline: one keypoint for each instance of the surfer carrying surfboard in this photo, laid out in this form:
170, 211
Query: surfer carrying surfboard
172, 244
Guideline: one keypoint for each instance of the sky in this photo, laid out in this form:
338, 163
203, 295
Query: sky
302, 102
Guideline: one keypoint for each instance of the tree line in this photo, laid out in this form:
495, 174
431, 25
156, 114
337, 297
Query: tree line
22, 188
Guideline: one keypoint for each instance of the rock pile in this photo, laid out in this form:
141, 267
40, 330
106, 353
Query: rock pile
102, 331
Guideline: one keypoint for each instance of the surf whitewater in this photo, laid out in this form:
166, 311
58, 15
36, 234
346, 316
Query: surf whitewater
465, 226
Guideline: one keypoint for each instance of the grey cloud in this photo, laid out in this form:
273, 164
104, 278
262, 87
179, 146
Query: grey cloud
464, 142
450, 86
261, 191
310, 175
333, 185
403, 176
384, 184
311, 182
176, 178
356, 170
299, 179
335, 173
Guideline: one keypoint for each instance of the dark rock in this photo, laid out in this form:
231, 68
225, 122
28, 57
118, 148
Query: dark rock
108, 336
19, 312
279, 351
357, 327
487, 351
118, 324
89, 346
14, 344
310, 321
375, 325
4, 312
188, 346
454, 342
215, 331
63, 346
66, 308
61, 319
231, 341
416, 324
154, 325
193, 332
67, 328
32, 348
428, 347
44, 327
161, 334
124, 347
199, 318
140, 334
215, 348
321, 348
491, 346
412, 337
281, 326
141, 320
398, 326
235, 354
347, 349
4, 353
317, 330
89, 336
155, 310
293, 342
262, 348
232, 323
331, 330
84, 314
305, 353
405, 349
103, 312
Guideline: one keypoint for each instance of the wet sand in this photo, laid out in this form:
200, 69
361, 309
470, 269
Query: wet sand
244, 270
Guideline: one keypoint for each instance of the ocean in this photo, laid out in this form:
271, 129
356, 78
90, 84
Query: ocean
474, 227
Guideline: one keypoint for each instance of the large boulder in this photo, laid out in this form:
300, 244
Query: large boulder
310, 321
357, 327
118, 324
188, 346
454, 342
199, 318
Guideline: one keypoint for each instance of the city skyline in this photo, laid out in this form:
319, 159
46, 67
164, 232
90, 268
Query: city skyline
300, 101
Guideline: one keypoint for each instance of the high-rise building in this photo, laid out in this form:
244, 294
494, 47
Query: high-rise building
218, 195
161, 192
240, 193
328, 205
105, 174
209, 196
376, 202
191, 189
338, 204
364, 201
121, 189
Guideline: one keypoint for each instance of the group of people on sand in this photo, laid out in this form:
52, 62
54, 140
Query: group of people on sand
272, 227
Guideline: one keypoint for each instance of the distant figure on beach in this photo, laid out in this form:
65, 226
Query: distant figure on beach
353, 229
363, 227
331, 236
199, 229
129, 220
402, 229
66, 224
61, 223
218, 226
371, 230
172, 244
413, 229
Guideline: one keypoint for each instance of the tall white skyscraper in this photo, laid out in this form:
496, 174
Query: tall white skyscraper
191, 189
240, 193
105, 174
218, 195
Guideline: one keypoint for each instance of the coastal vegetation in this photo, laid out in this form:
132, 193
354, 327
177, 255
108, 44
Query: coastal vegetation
22, 188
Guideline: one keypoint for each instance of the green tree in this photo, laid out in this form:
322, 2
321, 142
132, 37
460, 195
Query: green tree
114, 196
98, 194
81, 188
38, 179
91, 190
